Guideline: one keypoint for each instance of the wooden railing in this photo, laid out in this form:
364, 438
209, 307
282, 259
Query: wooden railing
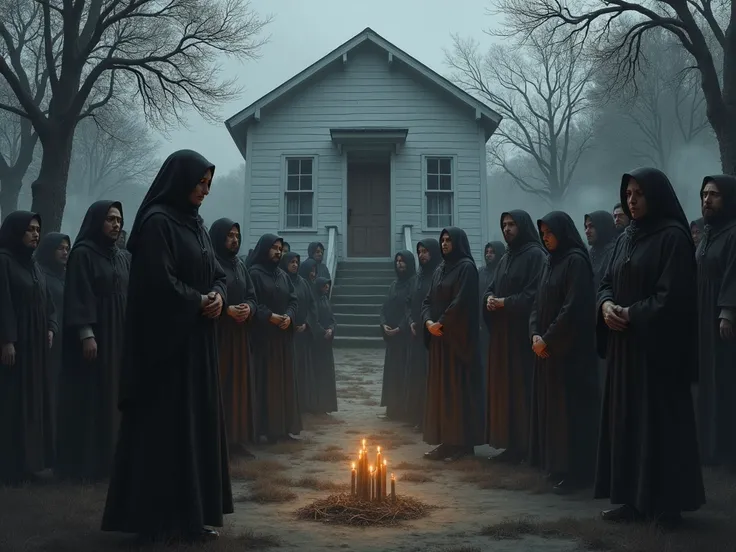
331, 259
409, 243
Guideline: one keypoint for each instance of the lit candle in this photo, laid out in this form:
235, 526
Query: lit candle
393, 488
359, 475
371, 494
379, 495
353, 476
379, 458
384, 469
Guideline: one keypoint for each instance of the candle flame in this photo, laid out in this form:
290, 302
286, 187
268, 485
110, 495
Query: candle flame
379, 449
384, 462
393, 476
353, 465
371, 468
363, 442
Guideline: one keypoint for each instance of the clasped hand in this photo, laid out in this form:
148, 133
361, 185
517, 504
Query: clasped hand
494, 303
239, 313
539, 347
389, 331
615, 316
281, 320
435, 328
211, 304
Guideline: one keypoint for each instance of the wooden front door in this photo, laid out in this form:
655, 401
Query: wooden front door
369, 209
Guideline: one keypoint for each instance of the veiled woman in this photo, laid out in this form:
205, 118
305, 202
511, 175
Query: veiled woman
322, 354
94, 322
304, 323
273, 343
27, 322
171, 472
51, 256
237, 377
648, 460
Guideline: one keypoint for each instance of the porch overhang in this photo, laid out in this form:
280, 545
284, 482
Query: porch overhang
368, 138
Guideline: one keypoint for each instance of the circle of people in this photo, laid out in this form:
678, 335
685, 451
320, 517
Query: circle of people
150, 362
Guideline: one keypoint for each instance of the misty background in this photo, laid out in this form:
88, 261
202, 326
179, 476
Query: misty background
572, 126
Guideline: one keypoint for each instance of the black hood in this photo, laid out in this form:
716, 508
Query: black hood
319, 284
568, 238
218, 236
312, 247
435, 255
177, 177
45, 253
460, 245
727, 187
12, 230
605, 227
662, 202
91, 234
528, 233
260, 252
499, 248
411, 264
286, 258
306, 267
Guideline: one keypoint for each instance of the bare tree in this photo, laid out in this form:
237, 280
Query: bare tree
159, 54
702, 27
540, 90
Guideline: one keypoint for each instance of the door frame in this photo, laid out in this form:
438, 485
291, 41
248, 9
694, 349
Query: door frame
344, 216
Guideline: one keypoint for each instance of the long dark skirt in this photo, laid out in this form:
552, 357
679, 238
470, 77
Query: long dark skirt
393, 390
324, 368
416, 382
237, 381
306, 378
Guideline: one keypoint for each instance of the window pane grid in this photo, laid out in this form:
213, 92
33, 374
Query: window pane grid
439, 192
299, 193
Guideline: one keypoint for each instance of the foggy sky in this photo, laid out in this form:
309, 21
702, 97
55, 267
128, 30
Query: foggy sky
303, 31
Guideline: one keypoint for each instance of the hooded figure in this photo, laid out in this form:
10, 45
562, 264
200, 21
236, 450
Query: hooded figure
430, 257
95, 298
696, 230
507, 305
51, 256
452, 414
273, 343
648, 458
394, 320
26, 321
316, 251
492, 254
304, 324
171, 472
565, 392
237, 377
603, 234
322, 355
716, 258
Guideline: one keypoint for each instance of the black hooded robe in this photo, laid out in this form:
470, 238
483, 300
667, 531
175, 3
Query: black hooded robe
55, 273
322, 270
171, 469
94, 307
648, 450
26, 317
416, 372
485, 276
273, 348
716, 404
600, 251
565, 402
237, 377
322, 353
453, 402
510, 357
395, 314
304, 342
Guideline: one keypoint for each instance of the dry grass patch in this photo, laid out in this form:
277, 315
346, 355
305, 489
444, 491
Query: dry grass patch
415, 477
353, 392
345, 509
321, 484
388, 439
352, 432
486, 475
341, 376
370, 402
313, 422
289, 447
415, 466
366, 369
265, 491
332, 453
251, 470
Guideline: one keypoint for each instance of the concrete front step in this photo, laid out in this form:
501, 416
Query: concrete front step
365, 280
340, 299
359, 330
346, 289
348, 317
345, 342
369, 265
352, 308
388, 274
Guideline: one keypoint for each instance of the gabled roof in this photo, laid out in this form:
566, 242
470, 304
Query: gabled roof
484, 114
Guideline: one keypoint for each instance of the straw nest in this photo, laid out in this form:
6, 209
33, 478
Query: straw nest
345, 509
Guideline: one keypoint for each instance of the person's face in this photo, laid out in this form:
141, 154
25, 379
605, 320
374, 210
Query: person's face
490, 254
635, 200
509, 228
590, 232
446, 244
400, 264
712, 201
620, 218
695, 233
32, 234
232, 240
423, 254
62, 252
318, 253
201, 190
549, 239
274, 254
286, 248
313, 274
293, 265
326, 289
113, 223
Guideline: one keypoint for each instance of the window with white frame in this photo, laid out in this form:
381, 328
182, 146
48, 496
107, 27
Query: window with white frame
299, 194
438, 191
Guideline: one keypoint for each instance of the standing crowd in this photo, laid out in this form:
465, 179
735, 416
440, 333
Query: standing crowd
152, 357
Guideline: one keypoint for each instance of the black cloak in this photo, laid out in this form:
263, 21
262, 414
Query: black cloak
237, 377
26, 317
510, 358
322, 355
453, 402
716, 258
322, 270
485, 277
648, 451
55, 273
395, 314
273, 348
606, 235
416, 377
565, 402
94, 308
171, 468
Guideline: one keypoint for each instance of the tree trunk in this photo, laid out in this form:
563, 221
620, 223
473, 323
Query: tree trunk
10, 186
726, 135
49, 188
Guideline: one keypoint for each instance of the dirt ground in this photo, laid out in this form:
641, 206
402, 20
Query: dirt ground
479, 507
